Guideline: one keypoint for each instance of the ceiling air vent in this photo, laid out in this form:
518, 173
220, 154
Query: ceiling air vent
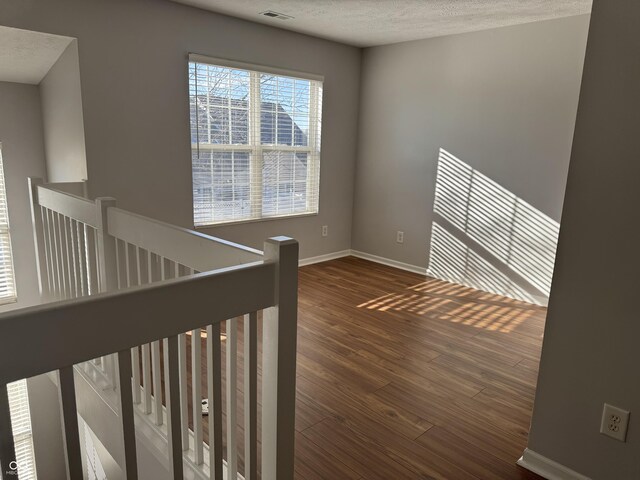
272, 14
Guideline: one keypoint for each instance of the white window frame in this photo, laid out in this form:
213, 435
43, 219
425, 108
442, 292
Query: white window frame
256, 149
5, 234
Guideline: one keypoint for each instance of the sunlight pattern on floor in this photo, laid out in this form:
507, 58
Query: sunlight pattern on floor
457, 304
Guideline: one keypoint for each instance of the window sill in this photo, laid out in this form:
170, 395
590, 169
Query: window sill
254, 220
8, 300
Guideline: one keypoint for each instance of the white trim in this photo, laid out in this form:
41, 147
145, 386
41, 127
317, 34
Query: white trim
536, 463
224, 223
246, 148
537, 300
365, 256
390, 263
323, 258
224, 62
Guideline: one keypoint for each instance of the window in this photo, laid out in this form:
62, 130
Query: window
95, 470
7, 280
16, 391
255, 140
21, 426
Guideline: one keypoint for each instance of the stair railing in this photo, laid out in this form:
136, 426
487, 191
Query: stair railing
128, 290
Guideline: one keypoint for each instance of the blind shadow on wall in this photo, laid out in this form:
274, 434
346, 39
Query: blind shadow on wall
485, 237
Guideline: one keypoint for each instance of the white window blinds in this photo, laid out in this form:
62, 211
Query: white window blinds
22, 433
255, 140
7, 279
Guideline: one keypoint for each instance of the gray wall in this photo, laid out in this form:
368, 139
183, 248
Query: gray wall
62, 119
503, 101
590, 353
133, 62
23, 156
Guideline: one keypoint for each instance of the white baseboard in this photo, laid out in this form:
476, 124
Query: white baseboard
536, 463
366, 256
390, 263
323, 258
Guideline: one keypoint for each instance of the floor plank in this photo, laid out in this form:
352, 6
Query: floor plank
402, 376
455, 370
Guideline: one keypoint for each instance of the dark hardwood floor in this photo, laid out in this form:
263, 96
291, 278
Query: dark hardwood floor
406, 377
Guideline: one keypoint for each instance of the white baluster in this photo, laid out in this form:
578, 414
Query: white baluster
51, 267
172, 383
146, 377
154, 275
53, 223
214, 394
143, 278
157, 382
91, 251
232, 399
64, 241
70, 431
184, 397
196, 385
71, 228
251, 396
131, 274
126, 414
82, 259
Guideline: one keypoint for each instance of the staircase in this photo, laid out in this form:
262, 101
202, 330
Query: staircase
122, 295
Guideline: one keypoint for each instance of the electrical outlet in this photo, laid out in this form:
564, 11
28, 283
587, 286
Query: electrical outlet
400, 237
614, 422
325, 230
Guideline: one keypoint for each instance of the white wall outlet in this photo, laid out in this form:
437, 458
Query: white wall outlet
614, 422
325, 230
400, 237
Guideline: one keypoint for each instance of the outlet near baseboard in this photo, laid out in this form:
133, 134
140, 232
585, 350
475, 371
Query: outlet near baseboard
614, 422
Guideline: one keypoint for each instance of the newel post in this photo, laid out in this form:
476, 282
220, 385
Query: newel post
107, 268
38, 239
279, 362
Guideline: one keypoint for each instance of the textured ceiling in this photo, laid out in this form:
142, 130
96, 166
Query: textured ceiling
26, 57
367, 23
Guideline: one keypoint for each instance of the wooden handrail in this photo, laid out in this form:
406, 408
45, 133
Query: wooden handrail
54, 335
72, 206
187, 247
